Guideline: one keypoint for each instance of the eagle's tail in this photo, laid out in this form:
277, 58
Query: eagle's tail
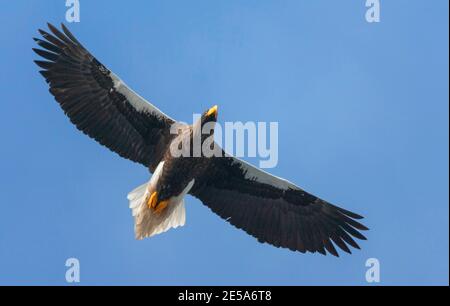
147, 222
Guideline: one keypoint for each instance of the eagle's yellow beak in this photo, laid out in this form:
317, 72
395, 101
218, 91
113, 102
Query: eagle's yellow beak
212, 111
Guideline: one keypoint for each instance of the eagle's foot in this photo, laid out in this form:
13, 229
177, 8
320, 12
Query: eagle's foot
153, 203
153, 200
161, 206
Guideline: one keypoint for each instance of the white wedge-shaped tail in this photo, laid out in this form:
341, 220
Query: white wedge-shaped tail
147, 222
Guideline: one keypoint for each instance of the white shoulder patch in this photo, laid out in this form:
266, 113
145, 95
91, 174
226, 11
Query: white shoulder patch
255, 174
139, 103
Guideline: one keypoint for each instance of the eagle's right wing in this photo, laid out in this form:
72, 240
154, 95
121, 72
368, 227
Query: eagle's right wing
99, 103
274, 210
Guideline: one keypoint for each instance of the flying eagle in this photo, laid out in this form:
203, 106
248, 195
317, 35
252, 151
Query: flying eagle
269, 208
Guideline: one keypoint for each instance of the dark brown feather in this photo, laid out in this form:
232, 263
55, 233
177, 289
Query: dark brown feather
290, 218
84, 89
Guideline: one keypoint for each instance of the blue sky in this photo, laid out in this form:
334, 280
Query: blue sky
363, 119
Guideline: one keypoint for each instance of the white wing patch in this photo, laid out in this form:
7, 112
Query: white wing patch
255, 174
139, 103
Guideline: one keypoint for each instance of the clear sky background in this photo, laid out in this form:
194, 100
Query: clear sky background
363, 116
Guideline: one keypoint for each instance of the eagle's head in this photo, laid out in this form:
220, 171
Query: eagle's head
208, 121
210, 115
204, 129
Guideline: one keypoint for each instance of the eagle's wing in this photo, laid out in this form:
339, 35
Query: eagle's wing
99, 103
274, 210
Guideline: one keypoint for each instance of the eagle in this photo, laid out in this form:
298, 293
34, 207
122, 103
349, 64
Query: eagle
271, 209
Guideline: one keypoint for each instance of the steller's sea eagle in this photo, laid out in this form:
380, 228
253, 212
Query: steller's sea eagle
269, 208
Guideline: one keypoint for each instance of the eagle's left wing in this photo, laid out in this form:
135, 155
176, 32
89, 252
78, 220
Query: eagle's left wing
99, 103
274, 210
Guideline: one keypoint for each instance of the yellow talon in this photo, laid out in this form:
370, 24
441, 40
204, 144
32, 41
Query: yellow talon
161, 206
152, 202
